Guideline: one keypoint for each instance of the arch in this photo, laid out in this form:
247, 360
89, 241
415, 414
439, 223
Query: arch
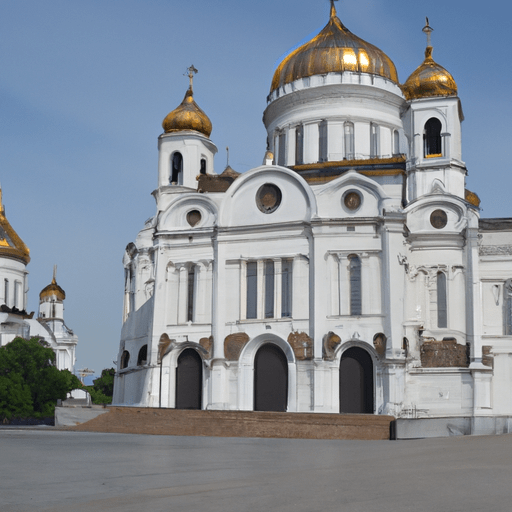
176, 168
356, 382
125, 359
189, 380
432, 142
142, 358
270, 379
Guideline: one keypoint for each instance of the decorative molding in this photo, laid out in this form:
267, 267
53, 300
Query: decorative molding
495, 250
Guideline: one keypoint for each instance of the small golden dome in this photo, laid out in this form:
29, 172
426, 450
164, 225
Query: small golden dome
53, 289
334, 50
429, 80
188, 116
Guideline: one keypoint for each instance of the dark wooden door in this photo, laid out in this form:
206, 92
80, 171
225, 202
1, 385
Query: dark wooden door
356, 382
189, 380
270, 379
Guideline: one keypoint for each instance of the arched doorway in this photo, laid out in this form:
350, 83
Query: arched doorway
270, 379
356, 382
189, 380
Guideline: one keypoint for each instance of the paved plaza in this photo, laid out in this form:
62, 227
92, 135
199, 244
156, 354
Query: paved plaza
51, 470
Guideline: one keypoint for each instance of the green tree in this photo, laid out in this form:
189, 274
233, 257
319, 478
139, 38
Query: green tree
30, 383
102, 389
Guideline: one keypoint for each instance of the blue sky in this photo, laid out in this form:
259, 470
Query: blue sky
85, 85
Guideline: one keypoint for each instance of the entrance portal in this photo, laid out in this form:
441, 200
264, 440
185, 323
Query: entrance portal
270, 379
356, 382
189, 380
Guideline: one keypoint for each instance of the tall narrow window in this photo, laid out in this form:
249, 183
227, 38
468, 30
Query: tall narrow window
349, 141
507, 303
286, 288
322, 157
190, 294
396, 143
6, 292
432, 138
177, 168
202, 170
374, 140
16, 297
442, 313
252, 289
299, 145
281, 156
355, 285
269, 289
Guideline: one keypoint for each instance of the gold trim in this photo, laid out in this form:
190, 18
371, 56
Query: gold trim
437, 155
349, 163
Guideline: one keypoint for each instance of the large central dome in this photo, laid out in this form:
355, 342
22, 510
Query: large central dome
334, 50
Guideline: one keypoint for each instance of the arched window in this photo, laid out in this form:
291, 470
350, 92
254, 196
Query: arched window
203, 166
322, 147
143, 356
355, 285
396, 143
374, 140
349, 141
432, 138
177, 168
442, 312
125, 359
269, 289
299, 145
190, 293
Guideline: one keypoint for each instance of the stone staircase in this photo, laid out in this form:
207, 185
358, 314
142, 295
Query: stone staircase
134, 420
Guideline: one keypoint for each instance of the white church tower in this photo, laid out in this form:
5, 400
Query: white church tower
51, 316
185, 149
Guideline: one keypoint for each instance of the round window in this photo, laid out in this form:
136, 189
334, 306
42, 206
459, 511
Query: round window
352, 201
193, 217
438, 219
268, 198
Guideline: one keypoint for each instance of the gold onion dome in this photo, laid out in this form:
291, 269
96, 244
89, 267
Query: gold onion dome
334, 50
188, 116
430, 79
53, 289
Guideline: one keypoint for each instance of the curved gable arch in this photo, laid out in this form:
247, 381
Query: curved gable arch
240, 203
189, 211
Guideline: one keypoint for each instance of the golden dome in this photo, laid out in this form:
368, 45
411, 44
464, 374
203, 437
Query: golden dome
188, 116
334, 50
429, 80
53, 289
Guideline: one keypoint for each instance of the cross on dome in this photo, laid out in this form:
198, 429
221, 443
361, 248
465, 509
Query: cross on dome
333, 8
428, 30
191, 71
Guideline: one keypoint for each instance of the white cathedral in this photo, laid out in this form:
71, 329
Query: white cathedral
350, 273
15, 321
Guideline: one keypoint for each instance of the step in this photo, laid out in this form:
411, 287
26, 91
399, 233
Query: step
134, 420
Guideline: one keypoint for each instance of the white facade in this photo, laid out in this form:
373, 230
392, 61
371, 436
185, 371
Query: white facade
350, 274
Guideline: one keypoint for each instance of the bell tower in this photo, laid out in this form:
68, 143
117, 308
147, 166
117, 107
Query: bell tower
432, 122
185, 149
